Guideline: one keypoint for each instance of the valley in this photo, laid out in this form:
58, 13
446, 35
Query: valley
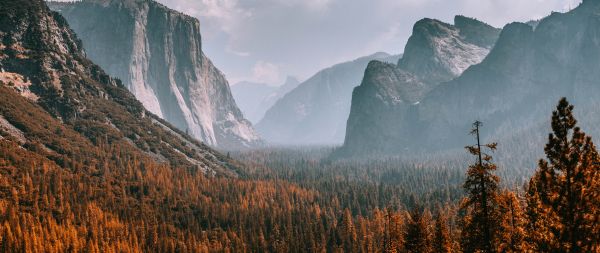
119, 134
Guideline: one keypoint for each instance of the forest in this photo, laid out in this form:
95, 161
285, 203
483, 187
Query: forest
84, 167
103, 196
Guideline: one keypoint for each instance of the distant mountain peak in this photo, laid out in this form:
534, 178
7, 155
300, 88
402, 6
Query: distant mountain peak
461, 22
439, 51
435, 53
291, 80
315, 112
431, 27
476, 32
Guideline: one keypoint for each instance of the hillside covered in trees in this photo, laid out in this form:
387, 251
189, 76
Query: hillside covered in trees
85, 168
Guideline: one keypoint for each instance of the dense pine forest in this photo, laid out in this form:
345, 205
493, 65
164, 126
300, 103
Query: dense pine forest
290, 200
84, 167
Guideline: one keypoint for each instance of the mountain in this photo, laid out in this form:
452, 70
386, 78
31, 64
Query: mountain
157, 52
86, 168
435, 53
512, 91
254, 99
315, 112
57, 103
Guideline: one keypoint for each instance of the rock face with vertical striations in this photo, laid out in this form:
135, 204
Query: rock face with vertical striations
315, 112
383, 106
56, 103
513, 91
157, 52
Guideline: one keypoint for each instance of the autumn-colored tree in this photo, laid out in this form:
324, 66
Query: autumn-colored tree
563, 193
480, 207
417, 236
347, 232
511, 232
394, 238
442, 241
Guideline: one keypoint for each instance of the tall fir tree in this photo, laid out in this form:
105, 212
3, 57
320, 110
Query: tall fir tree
511, 233
417, 235
480, 207
563, 193
347, 232
394, 239
442, 241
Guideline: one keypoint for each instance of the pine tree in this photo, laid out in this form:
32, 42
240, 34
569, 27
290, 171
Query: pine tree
417, 237
480, 207
564, 191
347, 232
511, 233
394, 238
442, 243
539, 236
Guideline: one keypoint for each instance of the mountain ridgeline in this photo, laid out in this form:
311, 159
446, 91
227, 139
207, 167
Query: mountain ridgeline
84, 167
315, 112
526, 71
57, 103
254, 99
382, 106
157, 52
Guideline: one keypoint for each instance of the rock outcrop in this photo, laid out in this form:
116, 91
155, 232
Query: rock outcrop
316, 111
513, 91
157, 53
385, 103
58, 104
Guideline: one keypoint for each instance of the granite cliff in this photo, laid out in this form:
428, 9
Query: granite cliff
157, 53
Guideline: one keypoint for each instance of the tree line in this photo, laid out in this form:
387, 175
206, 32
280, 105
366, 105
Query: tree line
116, 200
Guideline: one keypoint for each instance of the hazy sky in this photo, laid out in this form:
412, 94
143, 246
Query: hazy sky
266, 40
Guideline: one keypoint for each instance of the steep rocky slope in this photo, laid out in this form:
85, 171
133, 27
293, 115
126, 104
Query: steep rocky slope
315, 112
254, 99
58, 104
512, 91
157, 52
383, 105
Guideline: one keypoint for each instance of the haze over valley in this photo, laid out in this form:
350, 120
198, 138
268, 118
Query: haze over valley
299, 126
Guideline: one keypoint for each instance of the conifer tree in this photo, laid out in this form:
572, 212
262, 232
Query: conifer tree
417, 237
563, 193
394, 238
347, 232
442, 242
511, 233
480, 221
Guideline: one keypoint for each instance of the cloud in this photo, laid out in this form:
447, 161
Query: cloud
304, 36
225, 12
265, 72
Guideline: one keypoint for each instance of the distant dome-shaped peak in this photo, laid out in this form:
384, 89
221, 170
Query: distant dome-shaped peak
462, 22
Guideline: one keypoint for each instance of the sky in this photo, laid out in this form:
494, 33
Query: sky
267, 40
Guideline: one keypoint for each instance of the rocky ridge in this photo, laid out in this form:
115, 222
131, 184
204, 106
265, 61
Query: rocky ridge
157, 52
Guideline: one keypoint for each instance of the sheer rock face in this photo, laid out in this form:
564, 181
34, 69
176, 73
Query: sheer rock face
316, 111
386, 101
513, 91
157, 52
40, 51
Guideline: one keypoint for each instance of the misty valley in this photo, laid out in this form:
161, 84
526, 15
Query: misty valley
290, 126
